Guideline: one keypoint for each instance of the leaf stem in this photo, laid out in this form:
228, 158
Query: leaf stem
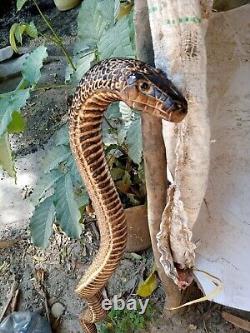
56, 39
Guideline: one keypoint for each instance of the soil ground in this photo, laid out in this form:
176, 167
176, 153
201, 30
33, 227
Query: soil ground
49, 276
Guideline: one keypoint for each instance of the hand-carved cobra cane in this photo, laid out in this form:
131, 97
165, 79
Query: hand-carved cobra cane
141, 87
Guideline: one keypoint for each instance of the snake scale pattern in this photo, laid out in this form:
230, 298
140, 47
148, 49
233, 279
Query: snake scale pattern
141, 87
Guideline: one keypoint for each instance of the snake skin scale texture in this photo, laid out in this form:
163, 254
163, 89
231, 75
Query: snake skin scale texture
111, 80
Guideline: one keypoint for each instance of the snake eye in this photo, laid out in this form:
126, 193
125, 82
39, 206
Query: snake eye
144, 86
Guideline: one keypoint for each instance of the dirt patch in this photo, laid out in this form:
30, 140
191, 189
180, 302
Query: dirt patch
65, 260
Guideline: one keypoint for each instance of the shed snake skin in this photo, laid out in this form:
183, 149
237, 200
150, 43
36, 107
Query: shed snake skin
145, 89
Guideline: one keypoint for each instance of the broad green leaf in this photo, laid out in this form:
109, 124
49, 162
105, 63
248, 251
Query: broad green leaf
99, 37
81, 194
147, 287
82, 199
113, 111
17, 123
33, 64
116, 41
20, 4
107, 9
126, 117
67, 212
44, 185
126, 113
6, 161
117, 8
9, 103
74, 173
42, 221
134, 141
55, 156
62, 136
83, 63
94, 17
109, 136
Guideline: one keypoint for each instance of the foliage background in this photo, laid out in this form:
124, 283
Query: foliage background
105, 29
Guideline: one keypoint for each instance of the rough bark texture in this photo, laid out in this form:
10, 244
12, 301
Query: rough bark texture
154, 156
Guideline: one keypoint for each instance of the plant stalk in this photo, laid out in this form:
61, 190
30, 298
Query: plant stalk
154, 153
57, 39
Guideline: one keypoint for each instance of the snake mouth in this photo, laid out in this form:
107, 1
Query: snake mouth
174, 113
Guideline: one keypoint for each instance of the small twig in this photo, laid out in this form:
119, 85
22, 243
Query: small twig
41, 290
5, 244
11, 295
13, 305
205, 327
46, 307
236, 321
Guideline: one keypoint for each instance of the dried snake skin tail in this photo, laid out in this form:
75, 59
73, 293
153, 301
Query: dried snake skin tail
94, 313
88, 328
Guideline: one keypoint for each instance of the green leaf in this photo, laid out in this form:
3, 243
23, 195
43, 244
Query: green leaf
42, 221
126, 117
117, 8
113, 111
31, 30
134, 141
94, 17
147, 287
62, 136
109, 136
74, 172
20, 28
55, 156
20, 4
12, 38
83, 63
82, 199
33, 64
9, 103
99, 37
67, 212
17, 123
17, 31
116, 41
44, 184
6, 161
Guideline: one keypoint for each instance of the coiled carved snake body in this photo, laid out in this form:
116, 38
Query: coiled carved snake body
141, 87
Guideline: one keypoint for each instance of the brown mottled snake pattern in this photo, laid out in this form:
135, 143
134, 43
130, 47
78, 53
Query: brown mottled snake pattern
145, 89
